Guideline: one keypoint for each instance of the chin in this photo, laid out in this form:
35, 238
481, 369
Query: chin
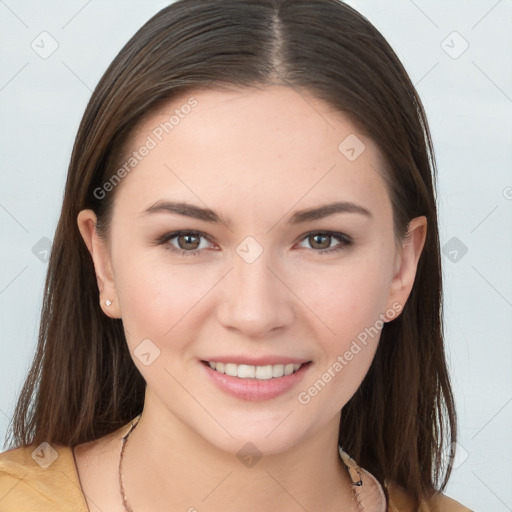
257, 439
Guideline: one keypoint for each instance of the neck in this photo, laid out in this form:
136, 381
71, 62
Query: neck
168, 466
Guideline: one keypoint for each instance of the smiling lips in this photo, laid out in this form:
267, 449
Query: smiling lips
245, 371
256, 382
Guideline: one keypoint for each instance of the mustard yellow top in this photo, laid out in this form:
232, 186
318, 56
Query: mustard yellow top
45, 479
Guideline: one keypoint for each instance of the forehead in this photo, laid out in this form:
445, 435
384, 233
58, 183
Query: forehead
280, 116
260, 144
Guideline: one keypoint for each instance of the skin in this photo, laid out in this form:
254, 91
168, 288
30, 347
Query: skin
254, 157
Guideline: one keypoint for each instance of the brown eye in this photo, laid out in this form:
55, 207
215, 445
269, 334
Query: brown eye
188, 241
185, 243
319, 241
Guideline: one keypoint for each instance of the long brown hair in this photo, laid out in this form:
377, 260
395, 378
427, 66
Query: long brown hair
83, 384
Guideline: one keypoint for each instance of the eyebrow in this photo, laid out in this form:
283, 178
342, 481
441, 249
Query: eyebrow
299, 217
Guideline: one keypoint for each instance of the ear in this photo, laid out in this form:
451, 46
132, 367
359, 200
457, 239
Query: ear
100, 255
406, 263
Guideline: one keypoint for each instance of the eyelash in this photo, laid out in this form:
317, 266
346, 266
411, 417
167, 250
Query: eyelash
345, 241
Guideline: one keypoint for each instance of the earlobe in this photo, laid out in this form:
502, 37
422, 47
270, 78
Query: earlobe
406, 262
100, 255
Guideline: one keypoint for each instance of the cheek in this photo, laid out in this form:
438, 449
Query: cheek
350, 307
350, 302
349, 298
159, 299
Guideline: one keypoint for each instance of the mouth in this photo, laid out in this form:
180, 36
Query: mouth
256, 382
246, 371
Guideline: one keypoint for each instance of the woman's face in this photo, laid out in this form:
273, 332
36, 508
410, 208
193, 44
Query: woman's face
286, 257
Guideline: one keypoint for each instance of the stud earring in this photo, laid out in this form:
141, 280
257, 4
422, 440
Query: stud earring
108, 302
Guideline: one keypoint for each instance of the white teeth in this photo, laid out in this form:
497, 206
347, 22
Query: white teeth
231, 369
264, 372
278, 370
245, 371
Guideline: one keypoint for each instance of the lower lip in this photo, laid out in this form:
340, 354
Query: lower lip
255, 389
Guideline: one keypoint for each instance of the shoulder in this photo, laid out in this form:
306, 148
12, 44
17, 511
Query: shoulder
45, 478
400, 501
41, 478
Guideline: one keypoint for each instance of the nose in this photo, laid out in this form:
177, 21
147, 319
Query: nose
255, 299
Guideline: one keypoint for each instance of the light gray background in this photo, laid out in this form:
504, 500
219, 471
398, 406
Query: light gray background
468, 97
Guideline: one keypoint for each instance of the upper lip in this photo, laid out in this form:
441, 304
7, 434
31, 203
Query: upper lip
256, 361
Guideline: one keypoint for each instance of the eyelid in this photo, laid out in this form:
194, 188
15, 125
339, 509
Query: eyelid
345, 240
327, 232
173, 234
165, 239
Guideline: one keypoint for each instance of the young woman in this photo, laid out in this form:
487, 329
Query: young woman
243, 302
